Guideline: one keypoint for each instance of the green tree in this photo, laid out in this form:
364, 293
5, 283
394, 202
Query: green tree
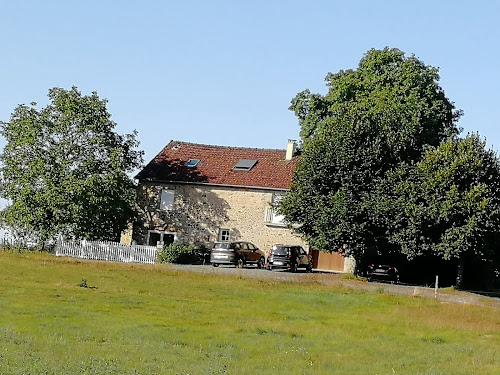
448, 204
64, 169
372, 119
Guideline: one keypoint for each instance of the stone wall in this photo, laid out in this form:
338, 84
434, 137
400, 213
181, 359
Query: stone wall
200, 211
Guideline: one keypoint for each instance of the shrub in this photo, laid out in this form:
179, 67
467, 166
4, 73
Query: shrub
14, 248
181, 253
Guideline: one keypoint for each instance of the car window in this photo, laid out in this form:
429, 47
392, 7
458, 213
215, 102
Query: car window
302, 251
280, 250
251, 246
244, 246
222, 245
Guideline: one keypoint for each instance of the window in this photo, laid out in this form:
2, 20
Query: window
167, 200
275, 218
192, 163
155, 237
223, 234
225, 245
244, 165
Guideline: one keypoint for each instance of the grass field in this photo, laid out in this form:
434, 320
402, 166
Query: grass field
64, 316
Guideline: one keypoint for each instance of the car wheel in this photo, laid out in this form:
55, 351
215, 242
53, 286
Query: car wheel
309, 267
215, 265
294, 267
261, 263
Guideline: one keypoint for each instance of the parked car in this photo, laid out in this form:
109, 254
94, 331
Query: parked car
239, 253
291, 257
384, 272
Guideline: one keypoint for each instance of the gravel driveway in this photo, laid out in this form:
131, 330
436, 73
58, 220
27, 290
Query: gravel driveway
339, 279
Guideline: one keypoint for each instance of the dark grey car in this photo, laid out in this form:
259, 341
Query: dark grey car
290, 257
383, 272
239, 253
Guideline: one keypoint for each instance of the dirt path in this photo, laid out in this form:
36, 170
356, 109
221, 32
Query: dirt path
338, 279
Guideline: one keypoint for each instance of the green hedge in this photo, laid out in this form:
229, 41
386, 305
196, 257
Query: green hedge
182, 254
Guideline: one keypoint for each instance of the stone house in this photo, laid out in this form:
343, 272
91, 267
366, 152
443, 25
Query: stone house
200, 194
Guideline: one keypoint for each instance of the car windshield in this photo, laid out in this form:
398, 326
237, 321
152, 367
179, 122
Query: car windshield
222, 245
280, 250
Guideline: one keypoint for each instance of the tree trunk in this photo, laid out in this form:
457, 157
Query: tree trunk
460, 272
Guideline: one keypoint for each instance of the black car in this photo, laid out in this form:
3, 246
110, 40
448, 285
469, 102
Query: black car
290, 257
239, 253
385, 272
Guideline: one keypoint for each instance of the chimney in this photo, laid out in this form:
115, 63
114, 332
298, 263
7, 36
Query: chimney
290, 149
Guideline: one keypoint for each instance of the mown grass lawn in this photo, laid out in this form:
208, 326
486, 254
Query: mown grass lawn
136, 319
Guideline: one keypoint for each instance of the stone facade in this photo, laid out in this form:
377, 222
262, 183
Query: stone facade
199, 212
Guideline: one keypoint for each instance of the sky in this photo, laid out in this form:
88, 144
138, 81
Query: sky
224, 72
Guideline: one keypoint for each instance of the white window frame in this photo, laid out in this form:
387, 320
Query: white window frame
224, 235
167, 199
275, 218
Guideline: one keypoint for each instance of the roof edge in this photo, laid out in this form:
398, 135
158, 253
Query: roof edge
216, 185
219, 146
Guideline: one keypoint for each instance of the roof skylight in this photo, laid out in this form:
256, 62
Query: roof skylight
244, 165
192, 163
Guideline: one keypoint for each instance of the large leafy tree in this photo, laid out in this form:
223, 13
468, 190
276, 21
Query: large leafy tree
447, 204
64, 169
372, 119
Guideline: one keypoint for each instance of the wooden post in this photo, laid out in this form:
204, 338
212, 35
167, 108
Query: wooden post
436, 287
460, 272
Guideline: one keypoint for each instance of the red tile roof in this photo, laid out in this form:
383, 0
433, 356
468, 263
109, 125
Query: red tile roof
216, 166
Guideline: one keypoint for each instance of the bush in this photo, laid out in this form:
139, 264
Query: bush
181, 254
15, 248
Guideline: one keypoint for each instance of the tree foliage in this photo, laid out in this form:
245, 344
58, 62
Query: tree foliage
64, 168
372, 119
447, 204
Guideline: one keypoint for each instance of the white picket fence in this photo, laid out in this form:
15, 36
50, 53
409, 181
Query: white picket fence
110, 251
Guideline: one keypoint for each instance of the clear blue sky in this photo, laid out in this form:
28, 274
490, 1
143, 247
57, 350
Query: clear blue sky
224, 72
